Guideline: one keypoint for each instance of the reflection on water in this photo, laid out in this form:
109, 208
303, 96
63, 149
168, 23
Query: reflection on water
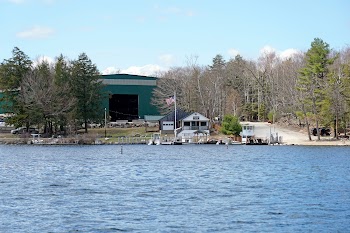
189, 188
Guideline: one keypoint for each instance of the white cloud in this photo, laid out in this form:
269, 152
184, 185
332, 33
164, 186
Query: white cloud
233, 52
285, 54
36, 32
288, 53
111, 70
165, 61
267, 49
146, 70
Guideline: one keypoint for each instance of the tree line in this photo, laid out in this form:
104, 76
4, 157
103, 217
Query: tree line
311, 86
57, 96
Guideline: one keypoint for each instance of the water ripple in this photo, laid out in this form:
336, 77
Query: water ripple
196, 188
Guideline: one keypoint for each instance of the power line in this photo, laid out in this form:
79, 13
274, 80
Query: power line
124, 114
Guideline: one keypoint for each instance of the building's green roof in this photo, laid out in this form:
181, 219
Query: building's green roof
153, 118
127, 76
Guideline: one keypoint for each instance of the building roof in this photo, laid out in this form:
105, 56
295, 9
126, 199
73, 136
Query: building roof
128, 79
180, 114
127, 76
152, 118
195, 116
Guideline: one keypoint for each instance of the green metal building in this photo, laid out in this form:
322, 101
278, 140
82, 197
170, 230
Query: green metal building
1, 104
129, 96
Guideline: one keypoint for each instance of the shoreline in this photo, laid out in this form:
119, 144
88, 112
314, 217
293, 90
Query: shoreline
324, 143
290, 135
28, 141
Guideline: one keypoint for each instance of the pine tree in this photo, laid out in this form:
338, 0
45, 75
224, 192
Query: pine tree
231, 125
218, 63
313, 77
87, 89
12, 72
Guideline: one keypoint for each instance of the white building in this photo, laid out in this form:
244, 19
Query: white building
188, 125
247, 132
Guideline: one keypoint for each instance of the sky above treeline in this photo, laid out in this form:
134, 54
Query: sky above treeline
146, 36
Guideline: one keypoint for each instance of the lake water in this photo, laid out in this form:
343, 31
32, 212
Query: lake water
189, 188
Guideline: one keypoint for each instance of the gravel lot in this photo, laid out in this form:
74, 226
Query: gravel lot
292, 136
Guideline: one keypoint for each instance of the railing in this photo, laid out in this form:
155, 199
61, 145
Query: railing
133, 140
178, 130
195, 127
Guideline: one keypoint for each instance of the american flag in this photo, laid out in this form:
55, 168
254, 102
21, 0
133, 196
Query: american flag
170, 100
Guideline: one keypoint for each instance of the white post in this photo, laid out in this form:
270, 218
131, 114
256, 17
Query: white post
105, 123
175, 115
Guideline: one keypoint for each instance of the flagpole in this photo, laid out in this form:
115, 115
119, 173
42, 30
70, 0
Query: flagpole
175, 116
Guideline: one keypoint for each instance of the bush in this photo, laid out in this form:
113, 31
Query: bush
231, 125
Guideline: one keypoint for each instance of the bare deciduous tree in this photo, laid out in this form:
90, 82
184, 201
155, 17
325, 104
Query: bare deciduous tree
44, 97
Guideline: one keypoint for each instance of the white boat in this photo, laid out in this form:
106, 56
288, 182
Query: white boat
155, 140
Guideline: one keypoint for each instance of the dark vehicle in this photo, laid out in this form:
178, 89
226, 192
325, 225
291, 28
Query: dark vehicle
323, 131
21, 130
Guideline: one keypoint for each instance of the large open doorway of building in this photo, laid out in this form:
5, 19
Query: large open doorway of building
123, 107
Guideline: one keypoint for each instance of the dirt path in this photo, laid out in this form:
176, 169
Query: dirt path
292, 136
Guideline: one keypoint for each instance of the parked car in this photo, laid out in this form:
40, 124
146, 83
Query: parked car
21, 130
323, 131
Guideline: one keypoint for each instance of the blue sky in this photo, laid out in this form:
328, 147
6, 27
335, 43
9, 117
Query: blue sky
144, 36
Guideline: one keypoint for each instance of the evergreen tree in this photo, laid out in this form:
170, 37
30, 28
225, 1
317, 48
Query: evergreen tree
12, 72
87, 89
218, 63
63, 76
231, 125
313, 77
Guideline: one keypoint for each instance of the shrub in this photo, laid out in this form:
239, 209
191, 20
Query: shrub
231, 125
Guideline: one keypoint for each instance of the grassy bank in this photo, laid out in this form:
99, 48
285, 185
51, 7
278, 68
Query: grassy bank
121, 132
96, 135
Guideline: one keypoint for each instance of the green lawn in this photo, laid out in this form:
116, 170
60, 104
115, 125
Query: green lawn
120, 132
